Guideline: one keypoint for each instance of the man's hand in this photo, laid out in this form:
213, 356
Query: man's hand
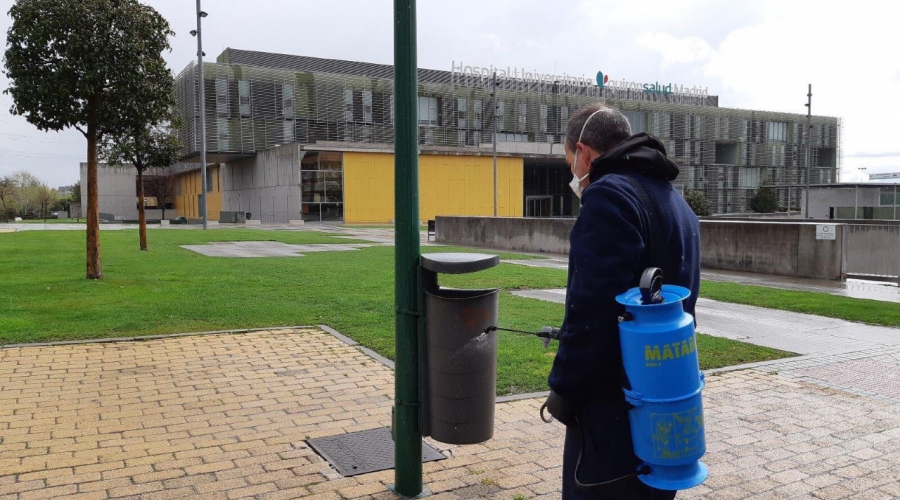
559, 408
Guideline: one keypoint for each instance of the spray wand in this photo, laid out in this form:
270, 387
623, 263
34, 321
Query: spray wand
546, 333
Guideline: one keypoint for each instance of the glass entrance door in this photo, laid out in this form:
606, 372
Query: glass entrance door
538, 206
322, 187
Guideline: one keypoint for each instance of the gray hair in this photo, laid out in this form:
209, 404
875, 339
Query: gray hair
605, 130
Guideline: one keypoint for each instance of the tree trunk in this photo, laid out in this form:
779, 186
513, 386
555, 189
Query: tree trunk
94, 268
142, 218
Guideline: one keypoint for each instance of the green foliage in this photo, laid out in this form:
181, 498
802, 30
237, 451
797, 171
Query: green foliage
87, 64
698, 202
152, 144
75, 194
765, 200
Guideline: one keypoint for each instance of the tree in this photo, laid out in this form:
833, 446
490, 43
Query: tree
698, 202
94, 65
45, 197
25, 194
75, 194
7, 190
164, 187
151, 145
765, 200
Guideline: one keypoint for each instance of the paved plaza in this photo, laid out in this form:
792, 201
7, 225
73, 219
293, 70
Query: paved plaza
226, 416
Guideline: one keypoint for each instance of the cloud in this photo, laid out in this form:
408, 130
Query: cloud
676, 50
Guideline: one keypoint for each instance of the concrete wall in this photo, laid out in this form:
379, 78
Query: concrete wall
506, 233
117, 192
266, 186
788, 249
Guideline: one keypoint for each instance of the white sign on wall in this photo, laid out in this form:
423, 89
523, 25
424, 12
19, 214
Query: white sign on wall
825, 231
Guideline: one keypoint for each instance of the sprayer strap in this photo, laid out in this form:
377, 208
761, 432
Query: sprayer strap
657, 252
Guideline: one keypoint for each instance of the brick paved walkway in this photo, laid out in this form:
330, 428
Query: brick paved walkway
226, 416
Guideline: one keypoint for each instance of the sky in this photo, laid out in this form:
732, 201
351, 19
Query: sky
753, 54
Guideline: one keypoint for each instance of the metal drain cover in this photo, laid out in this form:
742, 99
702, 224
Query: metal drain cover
363, 452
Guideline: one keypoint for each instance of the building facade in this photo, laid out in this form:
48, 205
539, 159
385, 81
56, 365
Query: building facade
292, 137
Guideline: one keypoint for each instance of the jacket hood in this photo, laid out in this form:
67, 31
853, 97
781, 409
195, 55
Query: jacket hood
641, 153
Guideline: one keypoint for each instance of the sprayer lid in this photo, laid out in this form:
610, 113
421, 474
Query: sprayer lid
670, 294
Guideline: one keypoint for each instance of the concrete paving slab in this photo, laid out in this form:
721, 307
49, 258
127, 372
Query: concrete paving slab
227, 416
255, 249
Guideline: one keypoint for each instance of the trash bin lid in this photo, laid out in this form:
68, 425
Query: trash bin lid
458, 263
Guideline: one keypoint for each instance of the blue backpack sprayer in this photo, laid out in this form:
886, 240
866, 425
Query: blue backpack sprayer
663, 384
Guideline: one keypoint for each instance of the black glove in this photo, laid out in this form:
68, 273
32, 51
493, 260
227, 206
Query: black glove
560, 408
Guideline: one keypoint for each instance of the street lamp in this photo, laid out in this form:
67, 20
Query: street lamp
808, 144
197, 33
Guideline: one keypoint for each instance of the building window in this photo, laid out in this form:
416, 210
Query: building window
244, 97
209, 180
461, 105
726, 153
523, 113
501, 112
563, 119
287, 100
477, 110
749, 177
348, 105
428, 111
509, 137
367, 106
827, 157
638, 121
426, 136
288, 128
391, 107
543, 111
222, 97
889, 198
776, 132
222, 134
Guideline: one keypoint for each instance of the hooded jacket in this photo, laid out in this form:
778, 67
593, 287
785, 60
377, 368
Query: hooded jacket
609, 249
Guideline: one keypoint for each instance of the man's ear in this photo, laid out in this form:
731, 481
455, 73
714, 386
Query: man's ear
586, 154
583, 153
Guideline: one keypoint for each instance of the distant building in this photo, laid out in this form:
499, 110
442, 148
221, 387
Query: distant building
64, 191
854, 201
117, 193
293, 137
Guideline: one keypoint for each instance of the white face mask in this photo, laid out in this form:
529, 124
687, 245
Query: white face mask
575, 183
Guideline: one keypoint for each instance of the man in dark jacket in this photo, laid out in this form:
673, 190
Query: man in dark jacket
609, 249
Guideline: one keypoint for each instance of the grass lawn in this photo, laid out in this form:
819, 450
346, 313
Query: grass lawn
169, 289
873, 312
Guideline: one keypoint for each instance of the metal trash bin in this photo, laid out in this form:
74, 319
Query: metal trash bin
460, 359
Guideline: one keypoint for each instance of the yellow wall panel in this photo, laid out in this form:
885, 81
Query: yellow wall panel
448, 185
187, 205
